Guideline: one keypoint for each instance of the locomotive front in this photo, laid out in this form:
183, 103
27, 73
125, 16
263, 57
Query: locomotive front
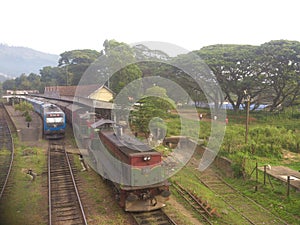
134, 168
54, 121
148, 190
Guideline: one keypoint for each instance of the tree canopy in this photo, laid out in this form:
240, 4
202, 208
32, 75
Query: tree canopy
268, 73
155, 104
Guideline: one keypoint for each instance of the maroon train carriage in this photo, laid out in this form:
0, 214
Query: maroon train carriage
141, 165
135, 168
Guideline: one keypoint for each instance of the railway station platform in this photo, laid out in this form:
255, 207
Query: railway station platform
282, 173
27, 132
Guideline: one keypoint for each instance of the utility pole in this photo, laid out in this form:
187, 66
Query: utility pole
247, 116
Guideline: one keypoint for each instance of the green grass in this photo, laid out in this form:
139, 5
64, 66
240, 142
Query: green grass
272, 139
186, 177
4, 152
273, 198
25, 202
294, 165
101, 196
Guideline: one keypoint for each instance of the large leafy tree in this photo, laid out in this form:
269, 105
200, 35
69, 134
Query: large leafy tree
158, 63
74, 63
51, 76
236, 70
35, 82
120, 57
190, 72
280, 62
85, 56
9, 85
30, 82
22, 82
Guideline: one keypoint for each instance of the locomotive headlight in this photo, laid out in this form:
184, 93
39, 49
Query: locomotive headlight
147, 158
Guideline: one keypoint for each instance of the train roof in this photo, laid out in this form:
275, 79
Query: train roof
74, 107
35, 101
51, 108
127, 144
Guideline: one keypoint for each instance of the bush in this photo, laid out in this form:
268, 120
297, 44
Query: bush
234, 138
270, 140
25, 114
239, 164
28, 118
264, 141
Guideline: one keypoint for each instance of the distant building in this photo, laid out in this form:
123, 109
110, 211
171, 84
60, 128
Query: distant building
21, 92
94, 92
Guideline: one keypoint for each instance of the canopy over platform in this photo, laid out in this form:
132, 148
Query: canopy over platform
102, 122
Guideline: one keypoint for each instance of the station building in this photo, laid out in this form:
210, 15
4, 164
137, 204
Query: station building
97, 97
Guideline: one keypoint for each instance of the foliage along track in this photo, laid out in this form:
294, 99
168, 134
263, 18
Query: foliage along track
252, 212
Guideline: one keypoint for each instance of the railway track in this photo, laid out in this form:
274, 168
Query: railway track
201, 207
157, 217
64, 201
252, 212
6, 149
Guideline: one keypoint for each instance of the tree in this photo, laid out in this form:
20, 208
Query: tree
75, 57
35, 81
280, 62
52, 76
23, 83
9, 85
155, 104
142, 52
120, 56
74, 63
191, 72
236, 70
157, 91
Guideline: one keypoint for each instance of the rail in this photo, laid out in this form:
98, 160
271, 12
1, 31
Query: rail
65, 205
200, 207
5, 144
251, 211
158, 217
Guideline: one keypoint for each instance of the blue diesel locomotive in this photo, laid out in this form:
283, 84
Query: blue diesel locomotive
54, 121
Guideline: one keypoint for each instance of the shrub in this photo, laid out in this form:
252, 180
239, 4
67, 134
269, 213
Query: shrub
28, 118
265, 141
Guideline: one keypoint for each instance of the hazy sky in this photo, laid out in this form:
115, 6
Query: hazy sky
55, 26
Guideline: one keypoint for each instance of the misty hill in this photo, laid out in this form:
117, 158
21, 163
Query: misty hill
15, 61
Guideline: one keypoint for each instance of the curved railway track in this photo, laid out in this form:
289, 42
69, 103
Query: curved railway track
252, 212
6, 149
157, 217
65, 206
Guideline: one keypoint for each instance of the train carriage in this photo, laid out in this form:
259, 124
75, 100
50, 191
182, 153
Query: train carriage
54, 122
